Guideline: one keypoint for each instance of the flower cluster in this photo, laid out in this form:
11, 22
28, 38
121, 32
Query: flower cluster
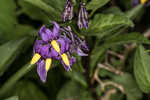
82, 16
52, 45
136, 2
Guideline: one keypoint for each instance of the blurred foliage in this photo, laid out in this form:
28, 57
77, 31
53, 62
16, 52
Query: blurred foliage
114, 25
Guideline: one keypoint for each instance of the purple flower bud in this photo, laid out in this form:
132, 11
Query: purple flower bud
77, 45
68, 11
82, 17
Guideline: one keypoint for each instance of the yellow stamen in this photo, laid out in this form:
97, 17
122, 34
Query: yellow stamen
65, 59
48, 64
35, 58
55, 45
143, 1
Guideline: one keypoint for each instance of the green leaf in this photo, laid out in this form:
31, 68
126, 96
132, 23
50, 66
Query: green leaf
135, 12
131, 88
44, 6
13, 98
28, 91
9, 51
78, 77
120, 39
95, 4
14, 78
104, 24
32, 11
113, 10
73, 91
142, 69
7, 18
125, 38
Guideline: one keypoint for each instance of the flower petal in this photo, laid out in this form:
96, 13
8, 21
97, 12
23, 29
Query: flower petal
53, 54
41, 70
46, 34
56, 30
72, 60
80, 52
64, 44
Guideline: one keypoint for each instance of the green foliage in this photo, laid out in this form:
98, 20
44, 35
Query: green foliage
32, 11
115, 41
13, 98
73, 91
54, 13
104, 24
26, 91
8, 19
95, 4
141, 69
9, 51
77, 76
130, 85
114, 25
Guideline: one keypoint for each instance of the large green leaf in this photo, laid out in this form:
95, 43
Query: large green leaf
104, 24
32, 11
131, 88
9, 52
95, 4
53, 13
7, 18
142, 69
73, 91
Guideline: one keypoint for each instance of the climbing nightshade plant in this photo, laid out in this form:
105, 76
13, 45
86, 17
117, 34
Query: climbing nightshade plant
74, 49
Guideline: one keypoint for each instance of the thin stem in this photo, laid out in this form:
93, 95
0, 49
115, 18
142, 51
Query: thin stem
12, 80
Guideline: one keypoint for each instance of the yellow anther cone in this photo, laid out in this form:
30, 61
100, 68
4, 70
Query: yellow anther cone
35, 58
65, 59
48, 63
55, 45
143, 1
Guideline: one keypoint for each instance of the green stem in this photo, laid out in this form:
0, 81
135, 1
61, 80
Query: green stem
91, 14
12, 80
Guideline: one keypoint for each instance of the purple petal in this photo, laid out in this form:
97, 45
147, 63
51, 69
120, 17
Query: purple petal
37, 45
135, 2
64, 44
84, 46
46, 34
56, 30
148, 4
41, 70
80, 52
72, 61
53, 54
44, 50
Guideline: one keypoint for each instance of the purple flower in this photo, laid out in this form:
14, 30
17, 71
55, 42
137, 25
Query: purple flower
137, 2
51, 45
82, 17
68, 11
77, 45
